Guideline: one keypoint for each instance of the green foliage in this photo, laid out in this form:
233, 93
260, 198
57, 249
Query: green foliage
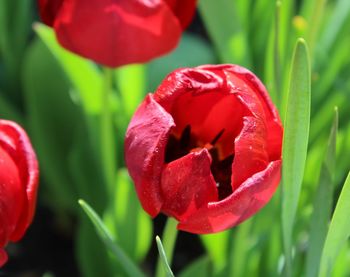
295, 141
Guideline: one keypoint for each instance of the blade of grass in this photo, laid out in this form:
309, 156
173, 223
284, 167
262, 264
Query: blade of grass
287, 10
295, 140
130, 268
163, 258
169, 238
322, 207
338, 233
277, 54
315, 22
335, 24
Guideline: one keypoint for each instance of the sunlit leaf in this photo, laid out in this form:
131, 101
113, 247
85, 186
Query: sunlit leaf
322, 207
338, 233
130, 268
295, 140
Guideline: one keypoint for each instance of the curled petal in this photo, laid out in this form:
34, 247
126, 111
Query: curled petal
187, 184
115, 33
250, 151
15, 142
250, 197
254, 94
145, 144
187, 80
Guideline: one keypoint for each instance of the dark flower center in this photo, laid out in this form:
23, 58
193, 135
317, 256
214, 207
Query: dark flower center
221, 168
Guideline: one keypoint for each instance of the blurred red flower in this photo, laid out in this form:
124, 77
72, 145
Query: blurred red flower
205, 148
18, 184
118, 32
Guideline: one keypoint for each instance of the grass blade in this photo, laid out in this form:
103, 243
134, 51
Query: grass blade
295, 140
339, 231
163, 258
130, 268
322, 204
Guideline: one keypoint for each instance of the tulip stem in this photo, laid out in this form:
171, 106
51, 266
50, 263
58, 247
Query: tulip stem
108, 144
168, 239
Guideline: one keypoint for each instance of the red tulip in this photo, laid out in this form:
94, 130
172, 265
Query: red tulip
205, 148
18, 184
118, 32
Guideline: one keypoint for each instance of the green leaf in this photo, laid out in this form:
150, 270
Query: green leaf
52, 120
239, 250
200, 267
216, 246
322, 207
130, 268
169, 238
315, 22
132, 85
83, 74
9, 111
338, 233
335, 24
126, 218
223, 23
163, 258
93, 258
295, 141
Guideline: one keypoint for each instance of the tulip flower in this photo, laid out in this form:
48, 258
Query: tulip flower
18, 184
205, 148
115, 33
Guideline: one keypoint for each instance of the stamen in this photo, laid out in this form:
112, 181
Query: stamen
217, 137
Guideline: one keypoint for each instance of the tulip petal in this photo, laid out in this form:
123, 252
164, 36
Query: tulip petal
48, 10
3, 257
103, 29
250, 151
16, 143
187, 184
183, 9
187, 81
255, 96
12, 196
250, 197
145, 143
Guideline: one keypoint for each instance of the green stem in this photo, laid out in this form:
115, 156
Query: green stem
168, 239
108, 144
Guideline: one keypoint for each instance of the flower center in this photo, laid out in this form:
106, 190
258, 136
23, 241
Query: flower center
221, 167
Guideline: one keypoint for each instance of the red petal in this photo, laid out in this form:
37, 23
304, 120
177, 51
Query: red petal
250, 197
145, 143
15, 142
3, 257
120, 32
187, 80
183, 9
254, 93
12, 196
250, 151
48, 10
188, 185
